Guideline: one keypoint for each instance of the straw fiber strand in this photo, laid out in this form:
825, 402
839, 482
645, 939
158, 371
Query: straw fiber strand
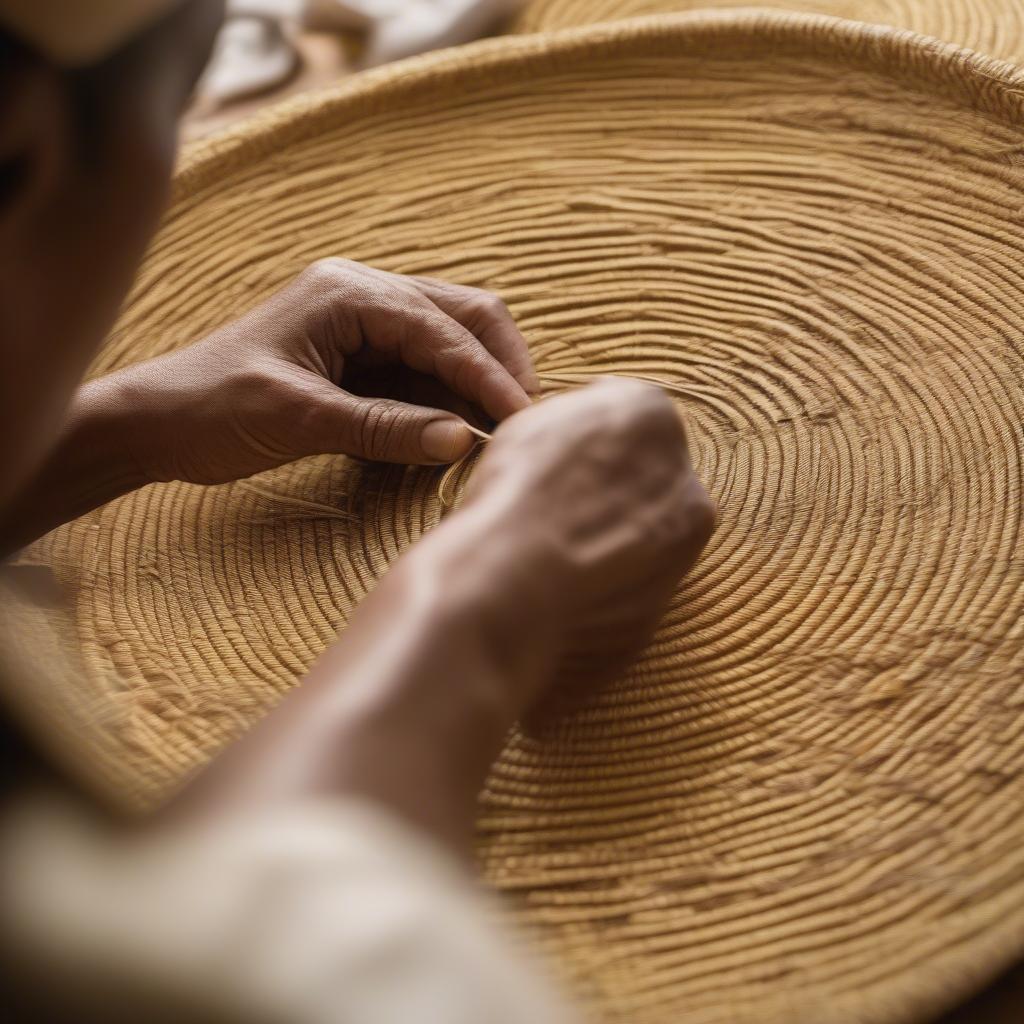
995, 27
803, 804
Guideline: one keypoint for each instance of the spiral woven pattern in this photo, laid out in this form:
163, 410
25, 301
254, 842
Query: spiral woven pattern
804, 804
994, 27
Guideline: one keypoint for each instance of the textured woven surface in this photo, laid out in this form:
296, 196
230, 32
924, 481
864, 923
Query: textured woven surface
804, 803
994, 27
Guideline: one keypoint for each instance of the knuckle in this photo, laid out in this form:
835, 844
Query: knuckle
378, 428
302, 412
490, 305
654, 406
479, 309
645, 411
455, 347
416, 306
324, 273
325, 286
307, 422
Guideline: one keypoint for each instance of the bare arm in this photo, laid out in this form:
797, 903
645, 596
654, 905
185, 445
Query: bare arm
564, 554
91, 464
407, 710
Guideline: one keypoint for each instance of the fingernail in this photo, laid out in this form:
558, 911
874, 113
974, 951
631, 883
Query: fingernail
446, 440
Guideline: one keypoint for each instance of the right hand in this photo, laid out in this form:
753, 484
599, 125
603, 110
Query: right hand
588, 514
579, 521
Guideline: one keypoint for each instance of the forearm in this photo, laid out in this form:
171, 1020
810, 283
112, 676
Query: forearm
407, 710
90, 465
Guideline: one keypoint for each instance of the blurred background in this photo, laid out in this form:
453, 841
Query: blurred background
271, 49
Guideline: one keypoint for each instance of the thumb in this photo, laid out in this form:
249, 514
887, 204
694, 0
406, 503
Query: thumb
384, 430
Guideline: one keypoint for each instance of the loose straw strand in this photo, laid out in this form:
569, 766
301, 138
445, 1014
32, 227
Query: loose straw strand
303, 504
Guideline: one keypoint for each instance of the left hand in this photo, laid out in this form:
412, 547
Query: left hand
346, 359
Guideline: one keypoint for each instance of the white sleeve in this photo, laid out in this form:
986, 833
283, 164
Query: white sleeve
330, 913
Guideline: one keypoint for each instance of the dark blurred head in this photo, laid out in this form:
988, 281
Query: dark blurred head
86, 155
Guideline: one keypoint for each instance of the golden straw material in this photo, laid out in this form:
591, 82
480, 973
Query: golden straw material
805, 803
994, 27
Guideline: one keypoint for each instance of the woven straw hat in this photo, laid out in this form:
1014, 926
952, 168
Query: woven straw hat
804, 804
995, 27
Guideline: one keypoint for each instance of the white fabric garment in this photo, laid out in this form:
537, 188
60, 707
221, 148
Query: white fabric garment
327, 913
250, 56
256, 51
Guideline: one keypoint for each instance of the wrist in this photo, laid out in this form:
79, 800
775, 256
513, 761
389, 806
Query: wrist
104, 428
427, 661
466, 656
89, 465
494, 583
139, 415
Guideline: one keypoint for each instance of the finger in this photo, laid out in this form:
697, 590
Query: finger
384, 430
488, 318
398, 321
436, 344
405, 385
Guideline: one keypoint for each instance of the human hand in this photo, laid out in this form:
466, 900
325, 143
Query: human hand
581, 517
346, 359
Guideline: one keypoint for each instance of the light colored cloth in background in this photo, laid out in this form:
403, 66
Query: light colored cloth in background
326, 913
256, 47
250, 56
400, 28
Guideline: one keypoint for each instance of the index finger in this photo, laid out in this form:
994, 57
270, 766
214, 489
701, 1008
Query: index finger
433, 343
488, 318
